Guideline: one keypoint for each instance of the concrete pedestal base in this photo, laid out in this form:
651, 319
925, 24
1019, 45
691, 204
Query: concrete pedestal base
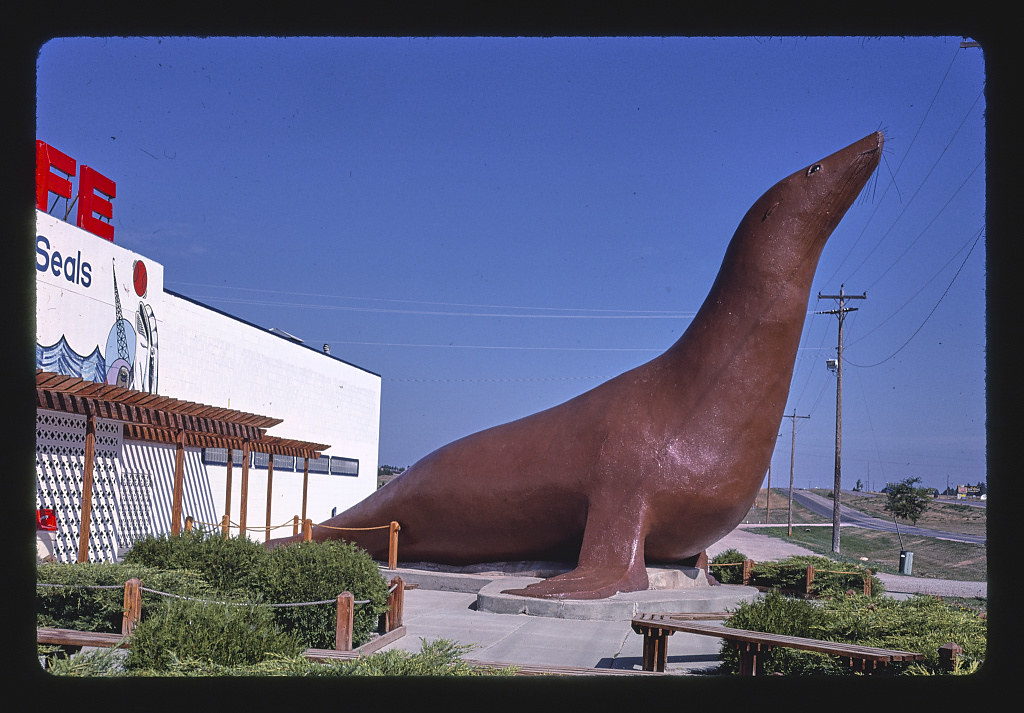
673, 590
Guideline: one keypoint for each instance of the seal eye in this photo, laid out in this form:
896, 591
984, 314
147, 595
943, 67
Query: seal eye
814, 169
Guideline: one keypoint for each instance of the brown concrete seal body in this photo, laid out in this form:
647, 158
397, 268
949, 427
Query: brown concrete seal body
656, 464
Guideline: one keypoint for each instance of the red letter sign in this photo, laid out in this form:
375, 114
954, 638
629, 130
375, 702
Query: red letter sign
46, 181
89, 203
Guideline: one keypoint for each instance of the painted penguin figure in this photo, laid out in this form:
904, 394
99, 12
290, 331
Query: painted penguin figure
653, 465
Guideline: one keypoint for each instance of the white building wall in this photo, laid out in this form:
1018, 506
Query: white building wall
132, 332
227, 362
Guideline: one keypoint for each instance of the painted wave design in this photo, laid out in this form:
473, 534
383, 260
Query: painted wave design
60, 358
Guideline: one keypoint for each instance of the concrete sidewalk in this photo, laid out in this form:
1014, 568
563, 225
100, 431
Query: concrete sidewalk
468, 607
590, 634
540, 640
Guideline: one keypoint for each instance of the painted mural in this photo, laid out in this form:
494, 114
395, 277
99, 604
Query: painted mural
96, 308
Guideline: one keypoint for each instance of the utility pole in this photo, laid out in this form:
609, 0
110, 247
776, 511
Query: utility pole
841, 313
792, 463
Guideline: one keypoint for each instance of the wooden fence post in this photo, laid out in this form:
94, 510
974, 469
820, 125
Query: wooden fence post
810, 579
189, 521
867, 584
307, 530
396, 604
748, 567
343, 631
393, 545
295, 525
948, 654
225, 526
132, 605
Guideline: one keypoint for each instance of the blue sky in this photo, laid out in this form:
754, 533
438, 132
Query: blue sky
495, 225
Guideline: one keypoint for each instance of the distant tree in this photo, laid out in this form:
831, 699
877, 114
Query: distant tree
906, 500
858, 487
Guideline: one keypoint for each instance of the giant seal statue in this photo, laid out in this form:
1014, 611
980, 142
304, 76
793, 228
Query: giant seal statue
656, 464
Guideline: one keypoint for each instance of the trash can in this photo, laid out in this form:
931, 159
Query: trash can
906, 561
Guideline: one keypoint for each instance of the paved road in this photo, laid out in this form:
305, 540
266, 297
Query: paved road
850, 516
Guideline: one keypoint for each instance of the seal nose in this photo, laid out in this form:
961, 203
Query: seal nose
879, 141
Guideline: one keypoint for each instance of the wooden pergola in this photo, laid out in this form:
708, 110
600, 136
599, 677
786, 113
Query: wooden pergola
163, 419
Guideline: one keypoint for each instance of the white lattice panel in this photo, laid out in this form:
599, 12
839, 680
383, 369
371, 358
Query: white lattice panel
60, 467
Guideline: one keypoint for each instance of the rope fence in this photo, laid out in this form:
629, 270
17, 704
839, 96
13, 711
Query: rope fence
748, 570
226, 524
345, 602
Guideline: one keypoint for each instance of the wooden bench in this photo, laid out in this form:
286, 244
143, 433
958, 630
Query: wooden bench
72, 637
552, 670
752, 645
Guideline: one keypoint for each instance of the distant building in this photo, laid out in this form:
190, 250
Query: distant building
968, 491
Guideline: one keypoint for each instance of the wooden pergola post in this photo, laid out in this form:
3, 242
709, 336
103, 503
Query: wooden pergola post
179, 481
90, 457
305, 485
270, 488
227, 493
244, 497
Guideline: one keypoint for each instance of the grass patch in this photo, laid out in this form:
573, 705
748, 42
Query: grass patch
940, 515
775, 511
941, 559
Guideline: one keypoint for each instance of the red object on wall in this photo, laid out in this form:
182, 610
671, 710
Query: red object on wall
140, 278
46, 519
48, 182
89, 203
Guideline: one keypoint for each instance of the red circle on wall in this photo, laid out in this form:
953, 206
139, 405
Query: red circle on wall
140, 278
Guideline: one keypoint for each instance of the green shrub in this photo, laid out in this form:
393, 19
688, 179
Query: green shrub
219, 634
733, 572
320, 571
436, 658
778, 614
791, 574
226, 562
73, 605
96, 662
921, 624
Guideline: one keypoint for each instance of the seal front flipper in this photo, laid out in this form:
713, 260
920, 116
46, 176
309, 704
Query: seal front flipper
611, 560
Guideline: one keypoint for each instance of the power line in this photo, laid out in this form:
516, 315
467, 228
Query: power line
592, 310
437, 313
923, 230
970, 241
500, 380
893, 174
497, 347
942, 297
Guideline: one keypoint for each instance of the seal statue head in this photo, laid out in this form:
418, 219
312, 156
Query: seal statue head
656, 464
